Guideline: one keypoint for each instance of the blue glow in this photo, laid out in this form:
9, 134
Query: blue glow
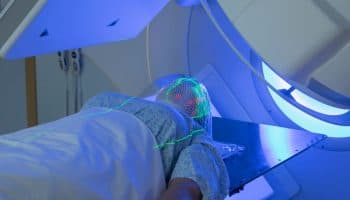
307, 121
275, 141
275, 80
316, 105
300, 117
303, 99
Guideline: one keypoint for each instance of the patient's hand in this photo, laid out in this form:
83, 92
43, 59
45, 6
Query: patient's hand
182, 189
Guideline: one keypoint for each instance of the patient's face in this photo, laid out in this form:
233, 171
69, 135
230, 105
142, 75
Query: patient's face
189, 97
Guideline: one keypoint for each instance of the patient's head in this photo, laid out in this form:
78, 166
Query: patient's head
189, 97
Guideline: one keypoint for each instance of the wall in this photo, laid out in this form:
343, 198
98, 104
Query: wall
12, 101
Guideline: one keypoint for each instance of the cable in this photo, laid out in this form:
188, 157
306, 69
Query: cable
76, 65
63, 63
148, 59
80, 92
67, 93
188, 35
80, 88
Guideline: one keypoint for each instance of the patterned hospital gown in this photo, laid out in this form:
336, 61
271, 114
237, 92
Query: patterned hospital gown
185, 148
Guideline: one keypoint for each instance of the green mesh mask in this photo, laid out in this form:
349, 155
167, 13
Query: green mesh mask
189, 97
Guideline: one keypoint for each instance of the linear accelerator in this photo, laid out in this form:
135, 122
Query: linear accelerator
301, 54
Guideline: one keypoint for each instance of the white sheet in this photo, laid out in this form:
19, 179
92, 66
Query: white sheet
96, 154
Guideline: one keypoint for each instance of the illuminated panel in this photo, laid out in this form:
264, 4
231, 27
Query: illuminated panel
300, 117
277, 142
275, 80
316, 105
307, 121
303, 99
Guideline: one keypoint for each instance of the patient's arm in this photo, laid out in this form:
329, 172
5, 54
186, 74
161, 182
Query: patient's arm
182, 189
200, 167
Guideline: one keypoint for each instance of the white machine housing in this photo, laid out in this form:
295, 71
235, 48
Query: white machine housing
43, 26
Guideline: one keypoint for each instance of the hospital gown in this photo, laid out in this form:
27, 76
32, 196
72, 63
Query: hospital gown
95, 154
191, 157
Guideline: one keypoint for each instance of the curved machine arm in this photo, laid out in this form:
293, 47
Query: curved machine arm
306, 42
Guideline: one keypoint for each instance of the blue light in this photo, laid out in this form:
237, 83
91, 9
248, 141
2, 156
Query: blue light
316, 105
307, 121
300, 117
275, 80
303, 99
275, 141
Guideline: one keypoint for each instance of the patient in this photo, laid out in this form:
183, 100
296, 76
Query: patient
96, 154
193, 167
